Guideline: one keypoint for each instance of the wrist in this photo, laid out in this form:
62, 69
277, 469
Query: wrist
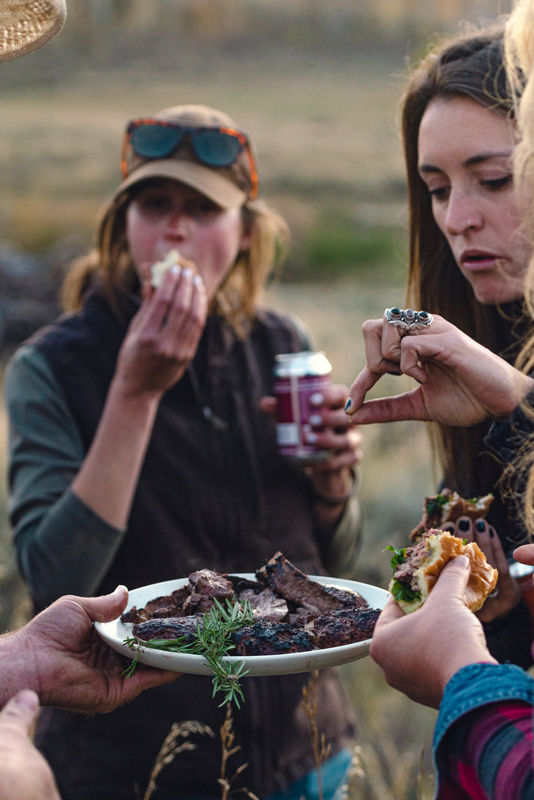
336, 489
478, 655
524, 385
124, 391
17, 666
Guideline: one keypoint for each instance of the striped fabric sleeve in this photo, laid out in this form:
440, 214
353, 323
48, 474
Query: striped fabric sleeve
487, 754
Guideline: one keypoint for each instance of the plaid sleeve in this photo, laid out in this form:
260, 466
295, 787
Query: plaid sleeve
487, 754
483, 735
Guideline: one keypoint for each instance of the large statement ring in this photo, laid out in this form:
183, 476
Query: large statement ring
408, 319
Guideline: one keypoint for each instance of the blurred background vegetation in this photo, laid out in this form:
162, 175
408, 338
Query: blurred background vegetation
316, 83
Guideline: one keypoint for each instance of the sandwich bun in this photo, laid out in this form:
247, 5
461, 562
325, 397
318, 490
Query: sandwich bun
448, 506
422, 565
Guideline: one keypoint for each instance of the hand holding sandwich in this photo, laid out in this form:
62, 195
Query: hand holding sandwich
420, 652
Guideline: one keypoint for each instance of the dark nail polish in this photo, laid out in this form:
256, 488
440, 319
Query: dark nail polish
348, 404
463, 525
480, 525
491, 532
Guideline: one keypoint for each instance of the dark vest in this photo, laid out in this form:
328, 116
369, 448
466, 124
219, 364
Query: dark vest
206, 497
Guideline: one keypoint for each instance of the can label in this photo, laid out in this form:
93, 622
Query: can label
294, 410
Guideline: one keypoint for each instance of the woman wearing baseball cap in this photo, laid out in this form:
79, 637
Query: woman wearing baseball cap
140, 453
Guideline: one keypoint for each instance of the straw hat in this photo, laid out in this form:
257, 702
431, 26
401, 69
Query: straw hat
27, 24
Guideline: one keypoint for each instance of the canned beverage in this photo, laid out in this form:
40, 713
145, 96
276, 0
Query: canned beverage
298, 376
523, 573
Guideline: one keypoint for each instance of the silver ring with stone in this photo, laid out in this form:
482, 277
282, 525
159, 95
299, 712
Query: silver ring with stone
395, 316
407, 319
494, 593
417, 320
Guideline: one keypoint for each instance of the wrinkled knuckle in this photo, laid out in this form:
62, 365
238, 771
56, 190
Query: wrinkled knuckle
368, 326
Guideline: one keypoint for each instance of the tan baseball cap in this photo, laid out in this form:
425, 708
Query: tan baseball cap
229, 187
25, 25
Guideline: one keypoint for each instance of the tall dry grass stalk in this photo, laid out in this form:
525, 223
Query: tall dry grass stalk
355, 775
171, 748
228, 750
321, 750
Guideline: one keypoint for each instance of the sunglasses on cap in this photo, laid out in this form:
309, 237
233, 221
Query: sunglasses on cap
214, 147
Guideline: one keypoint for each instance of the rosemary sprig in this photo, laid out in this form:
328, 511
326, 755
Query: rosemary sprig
213, 641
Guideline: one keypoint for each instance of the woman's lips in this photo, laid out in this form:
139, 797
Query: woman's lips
475, 260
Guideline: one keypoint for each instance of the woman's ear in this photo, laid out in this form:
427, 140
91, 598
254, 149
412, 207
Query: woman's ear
246, 240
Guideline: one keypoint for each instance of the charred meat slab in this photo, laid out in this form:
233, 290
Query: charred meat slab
160, 607
267, 638
172, 628
293, 585
347, 597
207, 586
346, 626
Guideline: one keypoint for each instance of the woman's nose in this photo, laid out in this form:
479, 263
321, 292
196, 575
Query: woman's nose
462, 215
177, 224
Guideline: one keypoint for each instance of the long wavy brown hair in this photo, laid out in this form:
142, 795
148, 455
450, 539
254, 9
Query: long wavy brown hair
111, 266
519, 46
469, 66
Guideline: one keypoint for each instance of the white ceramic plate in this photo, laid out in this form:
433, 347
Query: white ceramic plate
115, 632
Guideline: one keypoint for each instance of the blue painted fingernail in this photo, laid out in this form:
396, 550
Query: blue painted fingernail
348, 404
480, 525
491, 532
463, 524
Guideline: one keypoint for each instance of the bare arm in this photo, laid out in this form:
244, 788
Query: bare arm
161, 341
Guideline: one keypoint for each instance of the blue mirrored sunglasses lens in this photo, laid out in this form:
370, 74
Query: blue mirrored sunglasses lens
155, 141
215, 148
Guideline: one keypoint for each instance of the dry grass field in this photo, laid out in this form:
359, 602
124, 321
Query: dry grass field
325, 134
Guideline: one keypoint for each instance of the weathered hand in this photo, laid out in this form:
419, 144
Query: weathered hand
420, 652
507, 593
69, 665
163, 336
24, 774
461, 382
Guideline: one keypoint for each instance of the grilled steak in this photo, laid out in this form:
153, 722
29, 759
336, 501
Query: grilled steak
240, 584
345, 626
172, 628
293, 585
160, 607
207, 585
291, 613
267, 638
348, 598
266, 606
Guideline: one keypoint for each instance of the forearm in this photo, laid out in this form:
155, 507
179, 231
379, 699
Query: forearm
107, 480
332, 491
341, 544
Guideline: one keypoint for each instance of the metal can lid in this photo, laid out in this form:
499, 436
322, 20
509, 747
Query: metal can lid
298, 364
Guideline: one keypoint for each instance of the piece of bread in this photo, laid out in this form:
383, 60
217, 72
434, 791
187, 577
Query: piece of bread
448, 506
160, 268
417, 569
